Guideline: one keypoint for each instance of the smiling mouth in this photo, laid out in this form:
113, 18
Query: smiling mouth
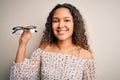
61, 32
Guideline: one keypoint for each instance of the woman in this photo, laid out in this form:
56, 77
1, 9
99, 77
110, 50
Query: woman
64, 53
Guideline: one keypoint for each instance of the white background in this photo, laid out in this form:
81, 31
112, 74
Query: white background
103, 24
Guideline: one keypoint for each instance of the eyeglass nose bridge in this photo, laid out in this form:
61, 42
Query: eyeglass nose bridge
20, 28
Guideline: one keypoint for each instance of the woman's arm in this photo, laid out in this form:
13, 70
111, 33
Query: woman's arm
29, 69
89, 71
25, 37
24, 68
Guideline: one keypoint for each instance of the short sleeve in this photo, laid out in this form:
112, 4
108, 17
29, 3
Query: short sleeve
89, 70
28, 69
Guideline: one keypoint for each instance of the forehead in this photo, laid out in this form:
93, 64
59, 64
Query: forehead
62, 12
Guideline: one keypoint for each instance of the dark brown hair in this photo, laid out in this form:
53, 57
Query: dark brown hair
79, 36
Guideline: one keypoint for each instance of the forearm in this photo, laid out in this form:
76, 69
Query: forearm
20, 56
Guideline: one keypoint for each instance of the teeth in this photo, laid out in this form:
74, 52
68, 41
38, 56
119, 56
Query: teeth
61, 31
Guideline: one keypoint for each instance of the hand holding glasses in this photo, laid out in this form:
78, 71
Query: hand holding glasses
19, 29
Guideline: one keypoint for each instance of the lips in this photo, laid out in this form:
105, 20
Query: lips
61, 32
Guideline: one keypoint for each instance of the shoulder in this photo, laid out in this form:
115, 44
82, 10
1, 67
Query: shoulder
45, 47
85, 54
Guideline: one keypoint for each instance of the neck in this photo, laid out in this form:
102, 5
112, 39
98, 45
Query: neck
63, 45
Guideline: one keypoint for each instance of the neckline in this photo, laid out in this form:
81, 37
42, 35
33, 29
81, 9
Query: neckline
62, 54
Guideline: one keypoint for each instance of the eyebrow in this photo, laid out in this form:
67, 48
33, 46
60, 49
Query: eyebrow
57, 17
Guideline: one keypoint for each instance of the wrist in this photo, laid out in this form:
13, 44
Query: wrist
22, 44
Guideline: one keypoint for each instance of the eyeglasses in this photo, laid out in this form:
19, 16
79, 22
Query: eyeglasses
19, 29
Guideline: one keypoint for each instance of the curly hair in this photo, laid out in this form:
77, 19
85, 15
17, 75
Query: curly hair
79, 36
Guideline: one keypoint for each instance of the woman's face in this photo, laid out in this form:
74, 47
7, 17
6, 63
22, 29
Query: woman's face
62, 24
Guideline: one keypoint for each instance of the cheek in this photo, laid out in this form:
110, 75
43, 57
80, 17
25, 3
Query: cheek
71, 27
54, 26
72, 30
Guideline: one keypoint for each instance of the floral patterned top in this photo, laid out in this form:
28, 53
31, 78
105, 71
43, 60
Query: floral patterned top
44, 65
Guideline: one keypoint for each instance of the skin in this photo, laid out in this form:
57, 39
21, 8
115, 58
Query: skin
62, 26
23, 41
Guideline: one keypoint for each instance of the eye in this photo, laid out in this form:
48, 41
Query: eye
54, 20
67, 20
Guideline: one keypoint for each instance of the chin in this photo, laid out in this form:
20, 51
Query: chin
62, 38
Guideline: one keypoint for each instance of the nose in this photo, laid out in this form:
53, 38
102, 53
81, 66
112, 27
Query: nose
61, 24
